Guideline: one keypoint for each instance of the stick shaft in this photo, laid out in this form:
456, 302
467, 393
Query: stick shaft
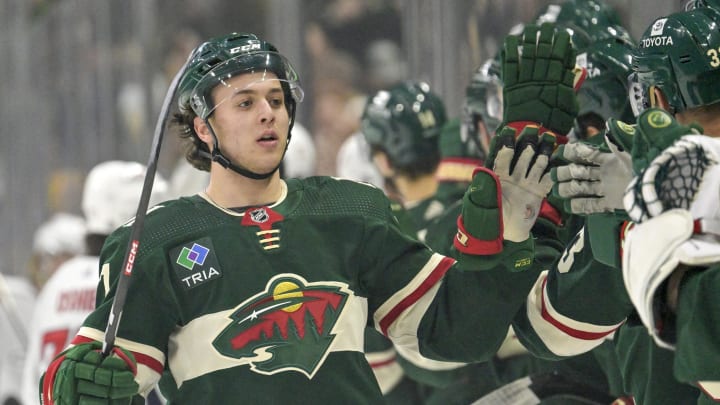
133, 247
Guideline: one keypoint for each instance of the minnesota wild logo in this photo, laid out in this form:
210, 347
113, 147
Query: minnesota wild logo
285, 328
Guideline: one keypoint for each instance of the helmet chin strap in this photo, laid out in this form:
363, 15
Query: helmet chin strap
217, 156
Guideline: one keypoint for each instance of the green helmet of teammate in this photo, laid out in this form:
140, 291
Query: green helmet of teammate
483, 104
221, 58
703, 3
405, 122
680, 55
604, 93
586, 21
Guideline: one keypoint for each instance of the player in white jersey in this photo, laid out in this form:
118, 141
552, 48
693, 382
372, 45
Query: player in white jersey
110, 198
56, 240
17, 297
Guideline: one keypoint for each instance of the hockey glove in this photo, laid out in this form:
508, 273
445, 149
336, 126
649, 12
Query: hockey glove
82, 375
654, 131
520, 165
686, 175
518, 178
539, 75
595, 178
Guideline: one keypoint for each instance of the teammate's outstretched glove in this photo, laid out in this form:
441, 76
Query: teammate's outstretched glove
504, 203
654, 131
81, 375
594, 178
521, 165
539, 74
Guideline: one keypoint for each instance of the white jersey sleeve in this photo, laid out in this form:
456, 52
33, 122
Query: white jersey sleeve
16, 306
61, 307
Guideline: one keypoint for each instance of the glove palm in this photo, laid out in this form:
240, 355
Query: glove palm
594, 179
524, 182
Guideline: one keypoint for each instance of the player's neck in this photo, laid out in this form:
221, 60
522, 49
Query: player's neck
414, 190
706, 118
230, 191
712, 128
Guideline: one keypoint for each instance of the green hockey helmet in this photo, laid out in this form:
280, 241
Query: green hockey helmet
604, 93
214, 63
693, 4
217, 60
405, 122
586, 21
680, 55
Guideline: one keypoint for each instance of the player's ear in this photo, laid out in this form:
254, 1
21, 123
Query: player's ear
382, 162
658, 99
202, 130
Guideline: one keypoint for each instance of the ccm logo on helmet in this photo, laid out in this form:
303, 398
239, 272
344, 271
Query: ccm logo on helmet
245, 48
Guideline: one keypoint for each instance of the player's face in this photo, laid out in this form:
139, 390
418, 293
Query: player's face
251, 120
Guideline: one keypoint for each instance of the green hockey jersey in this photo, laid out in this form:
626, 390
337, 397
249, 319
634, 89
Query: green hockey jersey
581, 303
697, 353
270, 304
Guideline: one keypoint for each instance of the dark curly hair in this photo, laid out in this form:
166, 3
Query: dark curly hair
196, 151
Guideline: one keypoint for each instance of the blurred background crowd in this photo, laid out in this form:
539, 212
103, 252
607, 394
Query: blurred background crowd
83, 80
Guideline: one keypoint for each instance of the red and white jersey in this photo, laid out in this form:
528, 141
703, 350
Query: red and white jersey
61, 307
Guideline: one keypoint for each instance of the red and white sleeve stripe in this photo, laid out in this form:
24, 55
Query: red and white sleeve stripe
562, 335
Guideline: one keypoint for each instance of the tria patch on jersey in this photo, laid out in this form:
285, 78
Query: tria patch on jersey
287, 327
265, 219
195, 263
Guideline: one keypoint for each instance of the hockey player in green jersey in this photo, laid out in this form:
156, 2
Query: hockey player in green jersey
671, 257
397, 142
674, 71
259, 290
402, 126
552, 230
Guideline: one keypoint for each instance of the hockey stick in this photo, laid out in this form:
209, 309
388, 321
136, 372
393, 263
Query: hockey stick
118, 304
533, 389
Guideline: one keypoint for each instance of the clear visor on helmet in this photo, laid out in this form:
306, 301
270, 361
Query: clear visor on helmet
494, 102
264, 65
637, 95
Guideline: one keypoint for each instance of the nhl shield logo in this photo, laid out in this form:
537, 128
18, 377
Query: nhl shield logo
259, 215
287, 327
264, 218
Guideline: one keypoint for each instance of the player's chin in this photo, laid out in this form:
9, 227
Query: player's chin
267, 165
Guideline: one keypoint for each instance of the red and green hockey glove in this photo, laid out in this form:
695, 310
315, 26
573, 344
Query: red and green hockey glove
81, 375
504, 203
539, 79
521, 167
